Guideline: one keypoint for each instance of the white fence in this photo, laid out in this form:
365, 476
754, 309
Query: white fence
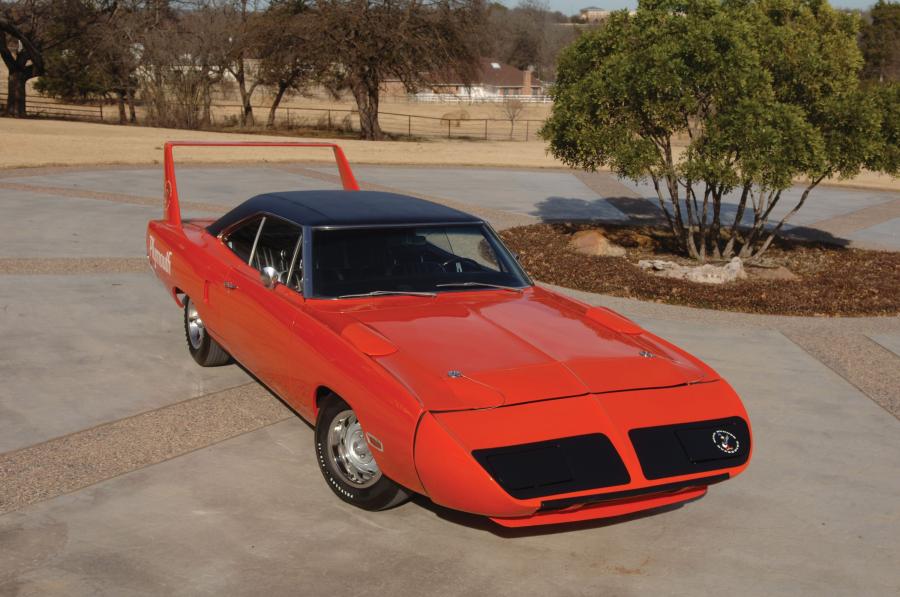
452, 98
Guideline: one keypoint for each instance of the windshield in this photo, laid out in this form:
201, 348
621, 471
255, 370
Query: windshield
422, 259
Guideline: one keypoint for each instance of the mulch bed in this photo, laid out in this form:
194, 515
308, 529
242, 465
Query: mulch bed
832, 281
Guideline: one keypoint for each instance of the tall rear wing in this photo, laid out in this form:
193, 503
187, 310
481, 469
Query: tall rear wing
172, 205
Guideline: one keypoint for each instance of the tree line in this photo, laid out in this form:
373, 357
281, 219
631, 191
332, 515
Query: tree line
171, 56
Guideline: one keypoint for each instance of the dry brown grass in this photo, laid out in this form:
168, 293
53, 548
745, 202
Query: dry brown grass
29, 143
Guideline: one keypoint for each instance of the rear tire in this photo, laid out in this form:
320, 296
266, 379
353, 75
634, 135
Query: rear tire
346, 462
206, 351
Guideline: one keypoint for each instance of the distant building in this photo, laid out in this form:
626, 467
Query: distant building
494, 79
592, 14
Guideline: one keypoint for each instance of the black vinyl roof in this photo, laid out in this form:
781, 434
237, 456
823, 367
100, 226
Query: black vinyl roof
343, 208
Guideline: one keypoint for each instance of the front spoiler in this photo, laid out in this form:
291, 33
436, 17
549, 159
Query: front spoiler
604, 510
453, 478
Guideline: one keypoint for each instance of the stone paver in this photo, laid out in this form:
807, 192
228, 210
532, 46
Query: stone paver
227, 186
886, 233
42, 225
78, 351
888, 341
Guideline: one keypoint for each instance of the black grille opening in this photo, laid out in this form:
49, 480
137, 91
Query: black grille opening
555, 466
672, 450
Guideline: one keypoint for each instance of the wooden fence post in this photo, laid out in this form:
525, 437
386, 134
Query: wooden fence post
329, 119
485, 129
448, 128
409, 126
526, 129
101, 112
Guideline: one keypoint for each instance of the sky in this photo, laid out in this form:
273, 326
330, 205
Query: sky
571, 7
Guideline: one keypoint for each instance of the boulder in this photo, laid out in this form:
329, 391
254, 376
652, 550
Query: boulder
774, 273
702, 274
592, 242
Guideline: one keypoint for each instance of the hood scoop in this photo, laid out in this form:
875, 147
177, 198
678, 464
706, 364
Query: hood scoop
367, 340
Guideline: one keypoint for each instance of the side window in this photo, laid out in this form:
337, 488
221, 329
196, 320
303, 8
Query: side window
279, 247
241, 240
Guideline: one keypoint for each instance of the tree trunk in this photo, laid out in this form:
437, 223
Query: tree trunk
270, 123
735, 232
129, 96
366, 95
787, 216
120, 102
15, 94
716, 227
246, 106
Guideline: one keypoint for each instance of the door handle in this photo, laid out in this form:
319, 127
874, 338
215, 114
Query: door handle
230, 285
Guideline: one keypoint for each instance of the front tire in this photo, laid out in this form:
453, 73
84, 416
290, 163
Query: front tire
347, 462
206, 351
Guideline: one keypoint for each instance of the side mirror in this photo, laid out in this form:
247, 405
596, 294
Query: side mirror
269, 277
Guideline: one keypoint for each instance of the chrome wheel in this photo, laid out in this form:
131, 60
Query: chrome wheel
196, 331
349, 453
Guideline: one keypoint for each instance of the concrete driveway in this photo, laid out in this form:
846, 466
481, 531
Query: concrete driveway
127, 470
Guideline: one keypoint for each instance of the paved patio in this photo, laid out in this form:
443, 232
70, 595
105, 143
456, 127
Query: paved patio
127, 470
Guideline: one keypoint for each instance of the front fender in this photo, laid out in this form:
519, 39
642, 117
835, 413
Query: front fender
452, 478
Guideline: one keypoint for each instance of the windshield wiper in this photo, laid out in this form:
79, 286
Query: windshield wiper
480, 284
386, 293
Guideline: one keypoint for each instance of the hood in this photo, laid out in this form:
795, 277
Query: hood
487, 349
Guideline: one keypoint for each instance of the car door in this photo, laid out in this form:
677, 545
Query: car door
225, 312
263, 314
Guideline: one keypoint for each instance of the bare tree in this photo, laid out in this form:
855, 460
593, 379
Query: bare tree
183, 59
512, 109
289, 58
241, 21
370, 42
529, 34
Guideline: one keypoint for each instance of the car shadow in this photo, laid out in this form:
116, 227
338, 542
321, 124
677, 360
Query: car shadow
608, 209
483, 523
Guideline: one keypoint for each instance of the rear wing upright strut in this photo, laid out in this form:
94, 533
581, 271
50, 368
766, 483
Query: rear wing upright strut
172, 205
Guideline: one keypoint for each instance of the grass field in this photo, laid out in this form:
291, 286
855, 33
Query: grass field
29, 143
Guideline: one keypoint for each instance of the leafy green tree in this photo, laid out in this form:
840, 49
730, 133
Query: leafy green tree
100, 63
31, 29
879, 40
710, 97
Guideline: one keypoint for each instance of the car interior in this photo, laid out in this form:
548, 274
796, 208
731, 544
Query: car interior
348, 261
275, 245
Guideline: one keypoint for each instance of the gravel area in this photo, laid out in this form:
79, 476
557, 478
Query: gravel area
68, 463
64, 265
832, 280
